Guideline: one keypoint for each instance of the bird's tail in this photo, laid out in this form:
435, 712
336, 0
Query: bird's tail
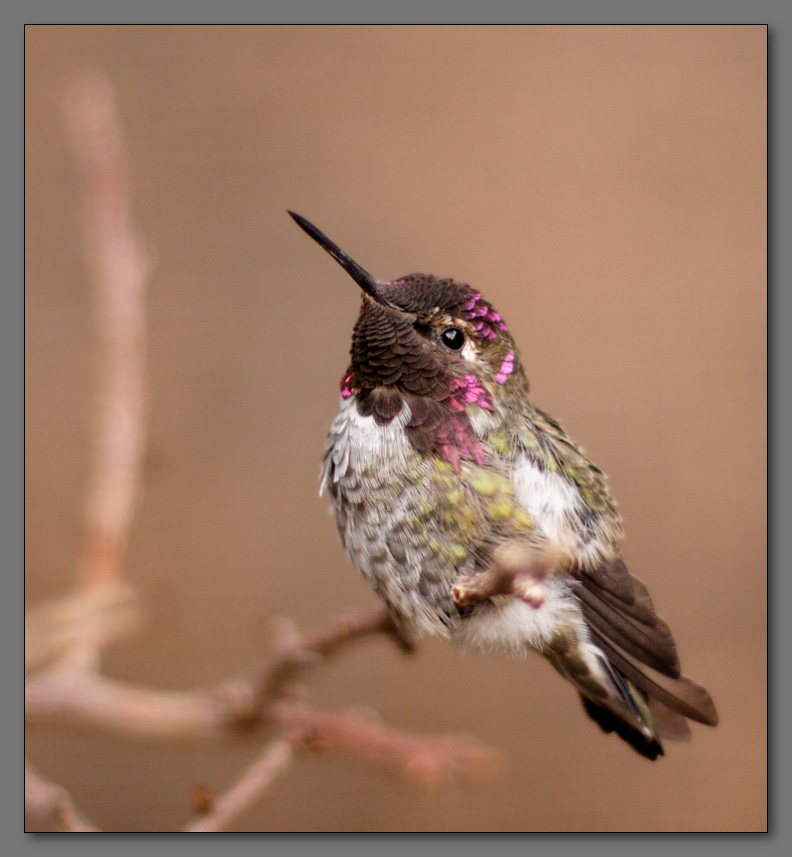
642, 708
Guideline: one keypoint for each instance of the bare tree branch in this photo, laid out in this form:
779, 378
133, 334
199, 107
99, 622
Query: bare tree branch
295, 655
87, 698
120, 272
256, 778
55, 628
52, 805
429, 759
63, 639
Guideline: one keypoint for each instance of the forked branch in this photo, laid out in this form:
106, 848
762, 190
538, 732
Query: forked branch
64, 639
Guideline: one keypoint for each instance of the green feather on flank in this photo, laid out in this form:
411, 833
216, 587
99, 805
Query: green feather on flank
544, 442
501, 443
468, 510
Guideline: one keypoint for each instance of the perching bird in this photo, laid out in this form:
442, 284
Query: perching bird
444, 477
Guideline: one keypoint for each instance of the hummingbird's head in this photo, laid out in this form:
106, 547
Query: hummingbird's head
425, 340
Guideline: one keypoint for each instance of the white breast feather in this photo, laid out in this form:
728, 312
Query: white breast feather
358, 442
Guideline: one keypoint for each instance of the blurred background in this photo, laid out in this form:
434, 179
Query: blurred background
605, 187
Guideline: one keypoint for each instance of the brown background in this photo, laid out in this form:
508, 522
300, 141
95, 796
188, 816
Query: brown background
605, 187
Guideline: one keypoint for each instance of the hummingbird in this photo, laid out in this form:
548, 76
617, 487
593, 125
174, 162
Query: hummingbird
442, 473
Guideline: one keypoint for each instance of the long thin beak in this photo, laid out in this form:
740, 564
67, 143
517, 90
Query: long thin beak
366, 282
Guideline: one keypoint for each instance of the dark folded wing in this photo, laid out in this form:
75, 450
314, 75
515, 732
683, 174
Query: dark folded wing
623, 622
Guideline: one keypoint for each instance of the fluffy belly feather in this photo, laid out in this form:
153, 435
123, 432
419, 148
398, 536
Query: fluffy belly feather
509, 625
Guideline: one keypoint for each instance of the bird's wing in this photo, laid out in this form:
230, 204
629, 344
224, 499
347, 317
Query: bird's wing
624, 624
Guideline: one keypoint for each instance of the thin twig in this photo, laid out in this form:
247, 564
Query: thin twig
296, 654
350, 627
429, 759
276, 757
52, 804
516, 571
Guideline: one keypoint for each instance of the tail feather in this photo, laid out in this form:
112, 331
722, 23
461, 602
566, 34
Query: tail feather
656, 720
681, 695
610, 698
669, 724
650, 748
640, 705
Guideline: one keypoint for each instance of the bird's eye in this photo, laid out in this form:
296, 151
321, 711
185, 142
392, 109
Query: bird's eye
453, 338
